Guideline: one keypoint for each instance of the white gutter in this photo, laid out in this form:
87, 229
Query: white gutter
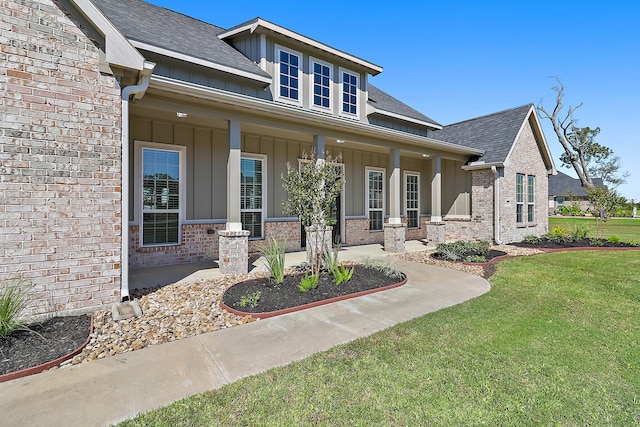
137, 90
496, 205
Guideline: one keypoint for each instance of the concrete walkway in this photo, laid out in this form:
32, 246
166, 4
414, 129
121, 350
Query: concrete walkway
110, 390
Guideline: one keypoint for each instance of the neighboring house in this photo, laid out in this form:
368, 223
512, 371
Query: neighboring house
135, 136
565, 190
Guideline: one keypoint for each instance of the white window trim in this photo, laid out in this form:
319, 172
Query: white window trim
524, 195
342, 113
367, 169
263, 158
312, 106
138, 180
276, 75
528, 203
404, 193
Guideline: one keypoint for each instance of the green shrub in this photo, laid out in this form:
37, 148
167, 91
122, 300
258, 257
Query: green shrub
341, 274
462, 249
579, 233
308, 282
613, 239
250, 300
557, 234
475, 258
13, 300
571, 210
273, 253
531, 239
330, 258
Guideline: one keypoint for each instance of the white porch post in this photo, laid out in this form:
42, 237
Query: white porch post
234, 241
234, 222
395, 187
436, 189
394, 230
318, 146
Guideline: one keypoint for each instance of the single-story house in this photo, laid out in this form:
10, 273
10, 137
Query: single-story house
565, 190
135, 136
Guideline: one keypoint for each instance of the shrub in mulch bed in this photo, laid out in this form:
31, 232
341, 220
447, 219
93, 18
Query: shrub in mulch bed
546, 243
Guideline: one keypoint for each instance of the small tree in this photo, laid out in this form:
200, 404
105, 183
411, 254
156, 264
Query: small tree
605, 202
313, 187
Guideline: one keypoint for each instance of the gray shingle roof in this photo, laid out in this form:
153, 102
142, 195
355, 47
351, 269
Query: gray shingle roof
494, 133
563, 184
383, 101
157, 26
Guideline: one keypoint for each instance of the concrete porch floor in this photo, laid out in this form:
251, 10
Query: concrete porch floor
159, 276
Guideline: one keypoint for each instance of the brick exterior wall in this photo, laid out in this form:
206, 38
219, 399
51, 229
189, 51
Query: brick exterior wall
289, 230
417, 233
357, 233
525, 158
60, 194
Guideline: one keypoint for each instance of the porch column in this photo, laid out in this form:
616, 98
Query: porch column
436, 189
394, 230
436, 229
234, 241
318, 146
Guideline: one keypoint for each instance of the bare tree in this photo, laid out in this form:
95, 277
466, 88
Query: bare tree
581, 152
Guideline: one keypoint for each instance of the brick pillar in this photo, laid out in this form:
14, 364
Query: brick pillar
394, 237
234, 251
436, 232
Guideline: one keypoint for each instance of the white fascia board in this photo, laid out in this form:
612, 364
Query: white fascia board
404, 118
253, 25
118, 49
198, 61
309, 116
481, 165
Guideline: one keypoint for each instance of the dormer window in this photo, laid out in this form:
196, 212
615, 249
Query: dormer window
288, 63
349, 83
321, 75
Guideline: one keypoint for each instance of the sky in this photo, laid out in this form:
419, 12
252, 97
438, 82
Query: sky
456, 60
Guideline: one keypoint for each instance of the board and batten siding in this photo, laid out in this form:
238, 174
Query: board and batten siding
456, 189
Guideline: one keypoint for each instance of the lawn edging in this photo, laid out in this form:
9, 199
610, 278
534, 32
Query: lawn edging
48, 365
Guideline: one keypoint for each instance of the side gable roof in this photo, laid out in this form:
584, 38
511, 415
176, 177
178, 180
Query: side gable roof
563, 184
159, 30
497, 133
385, 104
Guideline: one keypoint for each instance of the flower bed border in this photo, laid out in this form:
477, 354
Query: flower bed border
267, 314
47, 365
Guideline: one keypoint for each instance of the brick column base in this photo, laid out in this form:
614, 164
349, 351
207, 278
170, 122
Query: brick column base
436, 232
234, 252
394, 237
315, 241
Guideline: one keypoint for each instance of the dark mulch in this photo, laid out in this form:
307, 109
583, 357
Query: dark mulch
595, 243
44, 342
274, 297
491, 255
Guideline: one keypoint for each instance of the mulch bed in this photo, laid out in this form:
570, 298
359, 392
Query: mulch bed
54, 338
584, 243
275, 297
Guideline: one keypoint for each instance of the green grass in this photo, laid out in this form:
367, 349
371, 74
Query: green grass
555, 342
628, 229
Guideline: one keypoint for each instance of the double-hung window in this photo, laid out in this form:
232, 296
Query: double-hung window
412, 198
519, 198
530, 198
321, 75
288, 65
162, 192
252, 195
375, 198
349, 83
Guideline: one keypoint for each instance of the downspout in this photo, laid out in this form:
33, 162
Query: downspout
127, 92
496, 205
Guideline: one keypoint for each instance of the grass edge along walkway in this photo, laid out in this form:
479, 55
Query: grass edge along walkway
554, 342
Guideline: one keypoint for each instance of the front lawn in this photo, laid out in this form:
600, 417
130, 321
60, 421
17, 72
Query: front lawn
555, 342
627, 229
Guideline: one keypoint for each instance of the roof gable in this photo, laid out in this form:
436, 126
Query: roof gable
165, 31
